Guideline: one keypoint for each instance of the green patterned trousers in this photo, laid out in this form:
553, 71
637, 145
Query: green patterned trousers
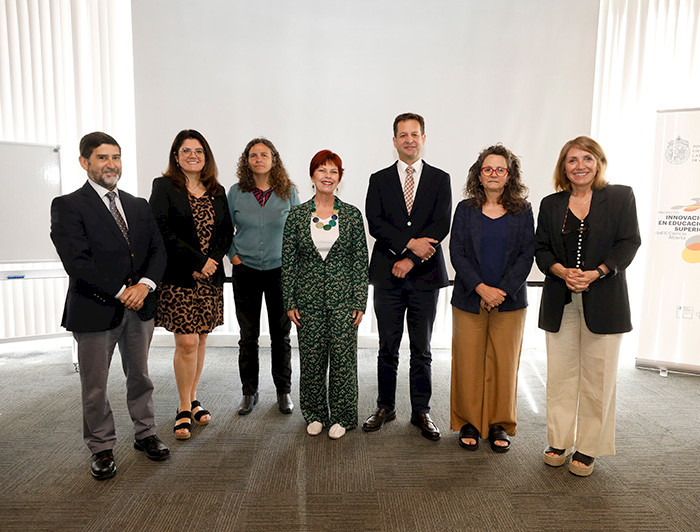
328, 346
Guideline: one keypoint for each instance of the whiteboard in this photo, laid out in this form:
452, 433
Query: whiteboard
30, 177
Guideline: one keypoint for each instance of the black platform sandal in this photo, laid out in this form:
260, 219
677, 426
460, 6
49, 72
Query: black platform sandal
554, 461
469, 431
584, 470
496, 433
185, 414
200, 414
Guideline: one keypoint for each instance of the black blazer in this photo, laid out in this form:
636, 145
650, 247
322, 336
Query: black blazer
392, 226
98, 259
613, 239
465, 252
171, 208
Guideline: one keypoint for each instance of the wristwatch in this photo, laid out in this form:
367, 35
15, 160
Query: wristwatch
600, 272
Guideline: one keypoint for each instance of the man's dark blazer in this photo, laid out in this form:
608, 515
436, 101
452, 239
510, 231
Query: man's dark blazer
171, 208
98, 259
613, 239
392, 226
465, 252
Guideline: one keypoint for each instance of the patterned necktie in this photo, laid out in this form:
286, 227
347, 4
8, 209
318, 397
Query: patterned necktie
117, 215
408, 188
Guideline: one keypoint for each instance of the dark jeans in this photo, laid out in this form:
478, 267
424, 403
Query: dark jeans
390, 307
249, 286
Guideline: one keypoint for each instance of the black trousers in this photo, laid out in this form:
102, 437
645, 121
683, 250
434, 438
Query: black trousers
249, 286
419, 307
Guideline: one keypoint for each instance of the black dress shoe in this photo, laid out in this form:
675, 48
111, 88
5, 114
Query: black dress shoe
284, 400
376, 420
103, 466
247, 404
154, 448
428, 429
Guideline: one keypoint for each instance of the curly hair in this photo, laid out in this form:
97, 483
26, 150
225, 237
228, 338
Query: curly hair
279, 179
209, 174
561, 182
513, 197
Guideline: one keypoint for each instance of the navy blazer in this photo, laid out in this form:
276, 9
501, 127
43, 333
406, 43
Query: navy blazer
465, 253
613, 239
392, 226
98, 259
171, 208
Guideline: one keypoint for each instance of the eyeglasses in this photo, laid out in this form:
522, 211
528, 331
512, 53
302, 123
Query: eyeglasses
487, 171
197, 151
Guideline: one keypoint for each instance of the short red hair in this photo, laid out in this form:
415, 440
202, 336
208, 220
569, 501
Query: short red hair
323, 157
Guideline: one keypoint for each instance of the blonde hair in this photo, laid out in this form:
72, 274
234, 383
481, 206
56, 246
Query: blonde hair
561, 182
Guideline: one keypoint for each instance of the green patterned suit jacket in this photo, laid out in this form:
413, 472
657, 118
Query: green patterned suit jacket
339, 282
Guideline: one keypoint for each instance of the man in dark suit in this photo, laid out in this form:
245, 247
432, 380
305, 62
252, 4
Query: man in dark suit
408, 210
114, 255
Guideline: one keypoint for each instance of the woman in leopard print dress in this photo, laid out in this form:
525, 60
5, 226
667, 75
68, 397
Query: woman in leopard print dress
191, 210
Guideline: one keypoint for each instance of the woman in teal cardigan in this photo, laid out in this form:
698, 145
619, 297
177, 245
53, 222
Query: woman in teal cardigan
259, 204
324, 285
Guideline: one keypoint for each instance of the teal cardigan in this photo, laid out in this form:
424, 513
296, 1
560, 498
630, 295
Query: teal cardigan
339, 282
257, 238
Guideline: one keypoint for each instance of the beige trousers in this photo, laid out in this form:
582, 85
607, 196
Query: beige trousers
485, 360
581, 385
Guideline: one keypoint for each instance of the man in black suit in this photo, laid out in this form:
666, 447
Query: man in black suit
114, 255
408, 210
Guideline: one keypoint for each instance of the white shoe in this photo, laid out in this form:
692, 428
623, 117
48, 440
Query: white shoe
314, 428
336, 432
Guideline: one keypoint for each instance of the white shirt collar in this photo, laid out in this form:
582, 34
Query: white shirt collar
101, 191
417, 166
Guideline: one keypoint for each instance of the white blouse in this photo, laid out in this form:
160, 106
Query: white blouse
323, 239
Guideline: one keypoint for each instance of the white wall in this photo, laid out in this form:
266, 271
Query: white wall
314, 74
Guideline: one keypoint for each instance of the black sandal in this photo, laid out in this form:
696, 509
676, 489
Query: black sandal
496, 433
554, 461
469, 431
581, 471
200, 414
185, 414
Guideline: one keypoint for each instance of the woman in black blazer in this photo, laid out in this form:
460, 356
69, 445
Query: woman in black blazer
191, 210
491, 247
587, 235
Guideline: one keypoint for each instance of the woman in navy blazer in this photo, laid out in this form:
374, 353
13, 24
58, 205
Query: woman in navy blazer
587, 235
191, 210
491, 247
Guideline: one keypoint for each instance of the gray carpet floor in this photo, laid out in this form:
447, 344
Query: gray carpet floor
263, 472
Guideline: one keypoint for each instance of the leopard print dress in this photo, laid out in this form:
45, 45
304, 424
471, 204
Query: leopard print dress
200, 309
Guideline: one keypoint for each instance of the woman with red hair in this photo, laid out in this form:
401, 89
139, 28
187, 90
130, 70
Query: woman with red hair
324, 287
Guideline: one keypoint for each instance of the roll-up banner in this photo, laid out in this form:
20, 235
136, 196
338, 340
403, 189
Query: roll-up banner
670, 325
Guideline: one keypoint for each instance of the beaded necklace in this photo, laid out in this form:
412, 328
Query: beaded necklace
331, 222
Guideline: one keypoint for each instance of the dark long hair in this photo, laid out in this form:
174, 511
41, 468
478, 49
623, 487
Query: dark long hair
209, 174
513, 197
279, 179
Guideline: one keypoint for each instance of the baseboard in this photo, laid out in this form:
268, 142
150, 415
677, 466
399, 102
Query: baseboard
662, 365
